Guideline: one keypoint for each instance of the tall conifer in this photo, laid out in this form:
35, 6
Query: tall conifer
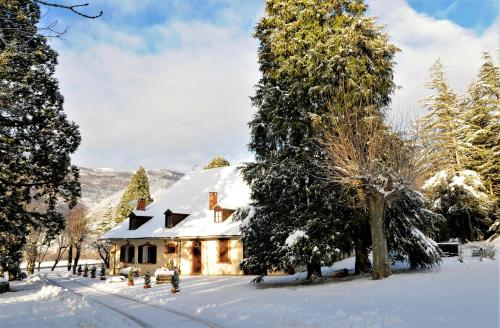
36, 137
137, 189
482, 133
310, 53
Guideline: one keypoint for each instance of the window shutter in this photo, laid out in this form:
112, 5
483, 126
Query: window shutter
131, 255
152, 254
122, 253
139, 255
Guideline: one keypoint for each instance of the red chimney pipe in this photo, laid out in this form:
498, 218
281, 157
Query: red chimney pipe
212, 200
141, 204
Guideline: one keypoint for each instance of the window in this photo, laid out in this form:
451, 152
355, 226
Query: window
170, 249
147, 254
223, 250
221, 214
137, 221
127, 254
218, 215
172, 219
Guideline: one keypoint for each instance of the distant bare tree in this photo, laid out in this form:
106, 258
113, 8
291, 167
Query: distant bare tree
77, 229
62, 243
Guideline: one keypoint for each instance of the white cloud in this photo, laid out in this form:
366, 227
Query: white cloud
423, 40
189, 101
172, 109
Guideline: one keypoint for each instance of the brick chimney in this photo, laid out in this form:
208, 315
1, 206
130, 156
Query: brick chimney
141, 204
212, 200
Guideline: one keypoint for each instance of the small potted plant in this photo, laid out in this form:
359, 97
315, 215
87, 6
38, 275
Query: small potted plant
130, 277
147, 280
80, 270
175, 282
86, 270
103, 272
93, 272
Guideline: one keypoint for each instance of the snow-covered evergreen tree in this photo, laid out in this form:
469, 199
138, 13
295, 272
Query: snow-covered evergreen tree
410, 222
482, 133
441, 127
309, 52
462, 199
36, 138
137, 189
460, 137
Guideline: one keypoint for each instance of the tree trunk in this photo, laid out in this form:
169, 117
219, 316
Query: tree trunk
60, 253
381, 266
77, 256
313, 269
70, 256
105, 257
30, 264
362, 264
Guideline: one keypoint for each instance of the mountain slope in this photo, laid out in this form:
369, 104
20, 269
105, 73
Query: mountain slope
102, 187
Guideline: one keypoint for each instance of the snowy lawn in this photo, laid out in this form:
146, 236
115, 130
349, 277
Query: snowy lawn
35, 303
453, 295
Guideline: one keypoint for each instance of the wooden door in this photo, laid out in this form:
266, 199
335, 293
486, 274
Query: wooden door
196, 257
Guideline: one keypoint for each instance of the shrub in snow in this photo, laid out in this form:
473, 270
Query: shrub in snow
21, 275
103, 272
462, 199
93, 272
147, 280
86, 270
80, 270
175, 282
130, 276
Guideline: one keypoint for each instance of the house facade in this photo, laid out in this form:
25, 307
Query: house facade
190, 226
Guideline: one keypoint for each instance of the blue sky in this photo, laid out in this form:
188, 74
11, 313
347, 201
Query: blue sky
476, 15
137, 16
166, 84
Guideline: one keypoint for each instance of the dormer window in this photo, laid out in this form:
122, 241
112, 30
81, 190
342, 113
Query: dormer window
137, 221
172, 219
221, 214
218, 215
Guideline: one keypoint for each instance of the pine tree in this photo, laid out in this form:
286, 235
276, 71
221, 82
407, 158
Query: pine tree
440, 128
137, 189
462, 199
36, 138
482, 134
216, 162
459, 144
309, 53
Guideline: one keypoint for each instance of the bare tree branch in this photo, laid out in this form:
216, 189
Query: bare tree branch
71, 8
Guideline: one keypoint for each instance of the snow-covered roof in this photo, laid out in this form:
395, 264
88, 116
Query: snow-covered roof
190, 195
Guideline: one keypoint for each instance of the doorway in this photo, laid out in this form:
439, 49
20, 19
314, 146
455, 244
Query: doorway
196, 257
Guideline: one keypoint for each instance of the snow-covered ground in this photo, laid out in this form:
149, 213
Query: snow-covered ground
454, 295
36, 303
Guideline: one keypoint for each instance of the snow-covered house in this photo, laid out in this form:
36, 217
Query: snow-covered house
191, 224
